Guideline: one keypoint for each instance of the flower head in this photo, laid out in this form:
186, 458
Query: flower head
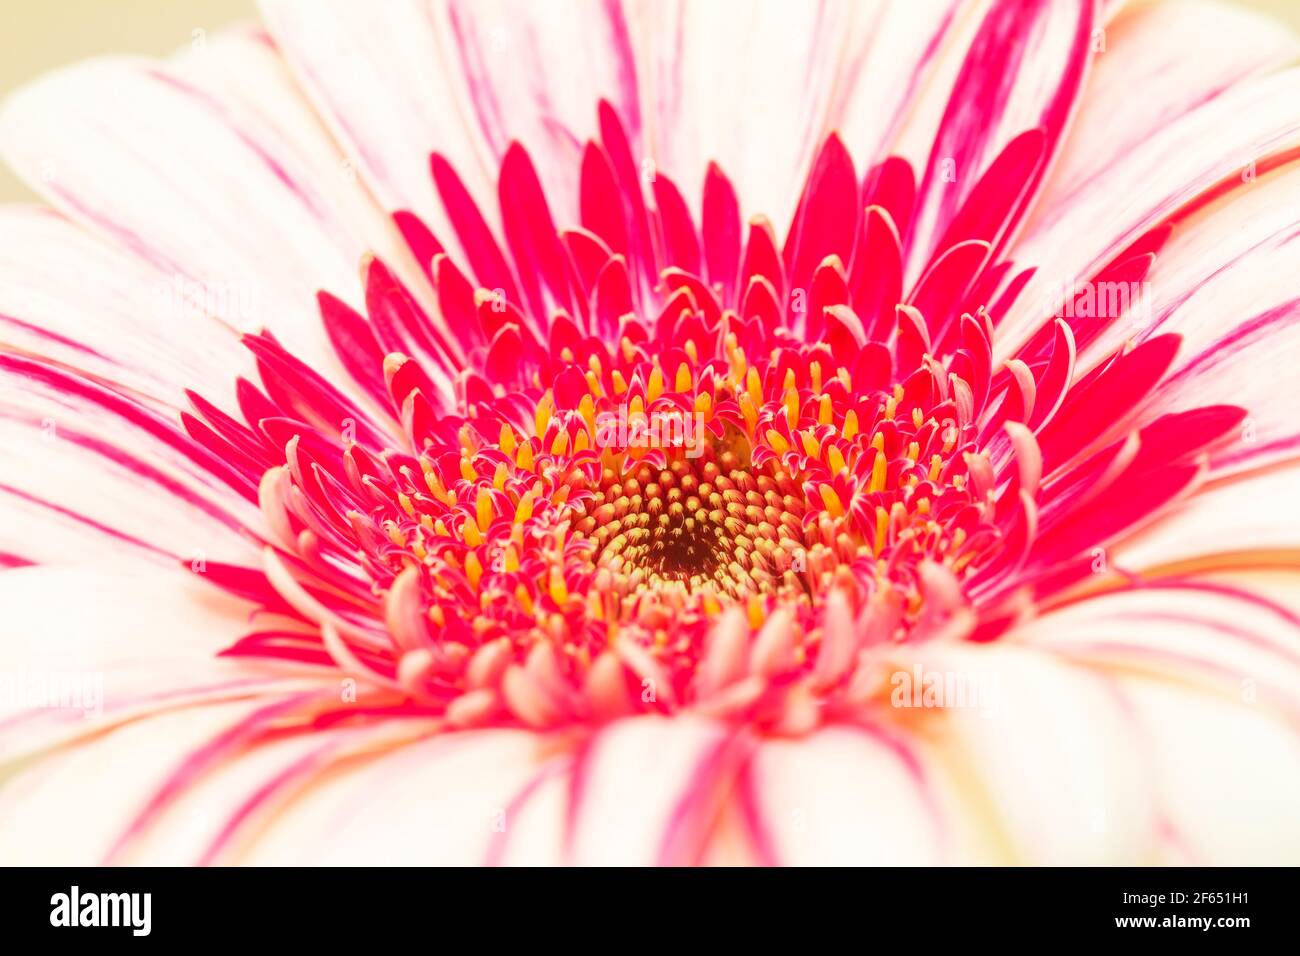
626, 527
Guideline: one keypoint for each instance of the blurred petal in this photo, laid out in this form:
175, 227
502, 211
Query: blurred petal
1048, 748
1227, 776
442, 802
45, 803
846, 796
647, 791
1208, 679
1222, 639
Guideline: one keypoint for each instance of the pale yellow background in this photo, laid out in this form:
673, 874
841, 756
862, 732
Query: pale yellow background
36, 35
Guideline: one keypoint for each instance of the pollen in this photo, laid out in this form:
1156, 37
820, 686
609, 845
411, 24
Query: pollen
707, 524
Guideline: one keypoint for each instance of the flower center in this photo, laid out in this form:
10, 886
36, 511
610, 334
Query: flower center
708, 523
632, 475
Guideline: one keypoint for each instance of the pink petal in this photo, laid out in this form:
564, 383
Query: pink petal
1023, 70
826, 221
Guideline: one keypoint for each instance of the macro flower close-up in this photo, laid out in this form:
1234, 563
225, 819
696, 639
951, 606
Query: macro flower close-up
647, 432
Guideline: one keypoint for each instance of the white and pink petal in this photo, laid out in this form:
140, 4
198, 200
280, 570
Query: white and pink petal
211, 168
93, 476
849, 796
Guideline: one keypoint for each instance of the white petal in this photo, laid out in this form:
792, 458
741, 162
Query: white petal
1179, 55
1248, 519
211, 168
91, 304
1225, 283
387, 84
1230, 641
110, 682
399, 80
533, 826
70, 807
221, 812
1227, 774
1045, 748
442, 801
749, 85
89, 476
1165, 171
84, 650
1209, 681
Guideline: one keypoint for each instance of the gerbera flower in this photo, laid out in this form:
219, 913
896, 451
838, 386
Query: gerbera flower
759, 432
